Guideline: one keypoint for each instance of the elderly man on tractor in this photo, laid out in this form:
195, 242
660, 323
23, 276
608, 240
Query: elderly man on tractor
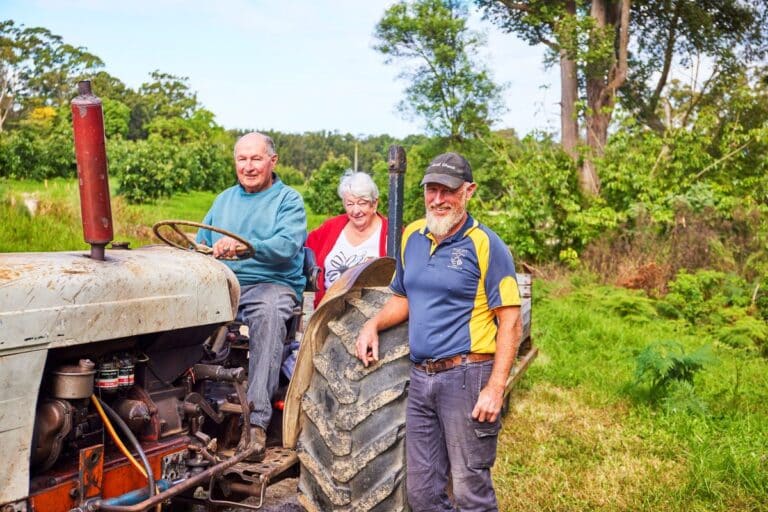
270, 216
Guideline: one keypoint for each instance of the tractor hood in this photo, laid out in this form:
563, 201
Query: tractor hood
67, 298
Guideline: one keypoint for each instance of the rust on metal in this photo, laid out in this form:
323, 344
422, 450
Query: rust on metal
91, 153
58, 489
91, 473
252, 478
396, 161
53, 424
189, 483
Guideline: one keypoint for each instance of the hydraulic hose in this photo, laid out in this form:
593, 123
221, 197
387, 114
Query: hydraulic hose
115, 437
134, 442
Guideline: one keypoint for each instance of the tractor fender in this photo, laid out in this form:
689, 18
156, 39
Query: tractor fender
374, 273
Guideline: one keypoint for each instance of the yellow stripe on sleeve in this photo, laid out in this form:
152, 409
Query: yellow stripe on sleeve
509, 292
482, 327
414, 226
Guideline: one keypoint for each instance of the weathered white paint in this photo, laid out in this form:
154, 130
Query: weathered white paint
20, 376
50, 300
61, 299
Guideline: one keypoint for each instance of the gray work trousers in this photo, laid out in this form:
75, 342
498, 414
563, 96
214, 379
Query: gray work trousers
441, 438
265, 308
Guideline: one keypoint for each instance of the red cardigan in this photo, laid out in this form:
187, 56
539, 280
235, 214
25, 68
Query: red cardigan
322, 239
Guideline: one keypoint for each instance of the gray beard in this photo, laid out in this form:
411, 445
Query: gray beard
441, 226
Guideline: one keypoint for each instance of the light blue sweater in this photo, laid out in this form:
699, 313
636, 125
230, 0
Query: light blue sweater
274, 222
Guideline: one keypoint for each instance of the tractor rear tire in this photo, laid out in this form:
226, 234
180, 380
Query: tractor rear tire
352, 441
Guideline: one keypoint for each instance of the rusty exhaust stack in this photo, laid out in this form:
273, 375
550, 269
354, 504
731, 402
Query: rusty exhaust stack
396, 163
90, 150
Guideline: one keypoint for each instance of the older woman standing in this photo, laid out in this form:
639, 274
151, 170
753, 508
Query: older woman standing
349, 239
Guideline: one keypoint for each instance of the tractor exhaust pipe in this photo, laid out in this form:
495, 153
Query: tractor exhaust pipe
90, 150
397, 163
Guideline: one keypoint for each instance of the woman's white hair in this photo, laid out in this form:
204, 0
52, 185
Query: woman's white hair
358, 184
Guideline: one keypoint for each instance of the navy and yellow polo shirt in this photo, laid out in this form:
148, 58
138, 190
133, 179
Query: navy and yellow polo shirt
453, 288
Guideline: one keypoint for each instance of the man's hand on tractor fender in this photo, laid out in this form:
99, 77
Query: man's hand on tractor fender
367, 344
488, 404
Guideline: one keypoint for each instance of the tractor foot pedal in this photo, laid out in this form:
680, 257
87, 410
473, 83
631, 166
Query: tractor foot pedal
247, 479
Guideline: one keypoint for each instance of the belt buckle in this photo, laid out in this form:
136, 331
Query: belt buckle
429, 367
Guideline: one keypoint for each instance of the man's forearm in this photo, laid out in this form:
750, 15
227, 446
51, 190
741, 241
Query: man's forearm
507, 343
395, 311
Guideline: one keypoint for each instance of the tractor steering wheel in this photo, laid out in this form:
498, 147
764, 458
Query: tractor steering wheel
244, 250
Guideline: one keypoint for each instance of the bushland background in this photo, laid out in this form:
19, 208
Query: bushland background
644, 220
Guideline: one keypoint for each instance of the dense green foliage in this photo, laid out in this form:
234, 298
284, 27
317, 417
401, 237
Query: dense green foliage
322, 187
624, 54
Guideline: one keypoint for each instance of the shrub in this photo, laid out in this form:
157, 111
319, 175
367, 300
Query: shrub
208, 164
150, 169
681, 397
663, 363
26, 154
321, 193
745, 332
289, 175
635, 308
699, 296
148, 172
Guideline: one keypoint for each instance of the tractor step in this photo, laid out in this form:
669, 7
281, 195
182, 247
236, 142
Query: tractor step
251, 479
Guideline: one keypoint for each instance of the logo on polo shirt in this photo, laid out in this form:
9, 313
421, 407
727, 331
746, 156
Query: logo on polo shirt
456, 258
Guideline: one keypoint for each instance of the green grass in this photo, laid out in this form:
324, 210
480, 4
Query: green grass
581, 436
56, 226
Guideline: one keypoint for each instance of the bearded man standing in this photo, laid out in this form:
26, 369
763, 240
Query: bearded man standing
455, 282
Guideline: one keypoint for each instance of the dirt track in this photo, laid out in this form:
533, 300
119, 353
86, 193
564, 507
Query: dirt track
281, 497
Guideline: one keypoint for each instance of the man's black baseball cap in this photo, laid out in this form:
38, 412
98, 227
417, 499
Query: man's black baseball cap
449, 169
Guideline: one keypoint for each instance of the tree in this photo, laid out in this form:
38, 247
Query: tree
322, 186
598, 60
166, 96
455, 96
590, 40
105, 85
38, 69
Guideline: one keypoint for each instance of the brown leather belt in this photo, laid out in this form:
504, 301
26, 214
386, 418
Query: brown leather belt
432, 366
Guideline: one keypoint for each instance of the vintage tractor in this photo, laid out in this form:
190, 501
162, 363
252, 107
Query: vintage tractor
122, 381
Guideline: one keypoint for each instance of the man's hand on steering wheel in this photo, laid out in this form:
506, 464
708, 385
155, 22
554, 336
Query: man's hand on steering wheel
227, 248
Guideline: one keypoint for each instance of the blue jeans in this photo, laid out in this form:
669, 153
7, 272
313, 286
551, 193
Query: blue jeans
442, 439
265, 308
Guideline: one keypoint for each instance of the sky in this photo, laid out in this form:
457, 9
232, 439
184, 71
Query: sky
287, 65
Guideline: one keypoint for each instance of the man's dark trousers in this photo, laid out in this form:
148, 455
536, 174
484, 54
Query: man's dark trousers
442, 439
